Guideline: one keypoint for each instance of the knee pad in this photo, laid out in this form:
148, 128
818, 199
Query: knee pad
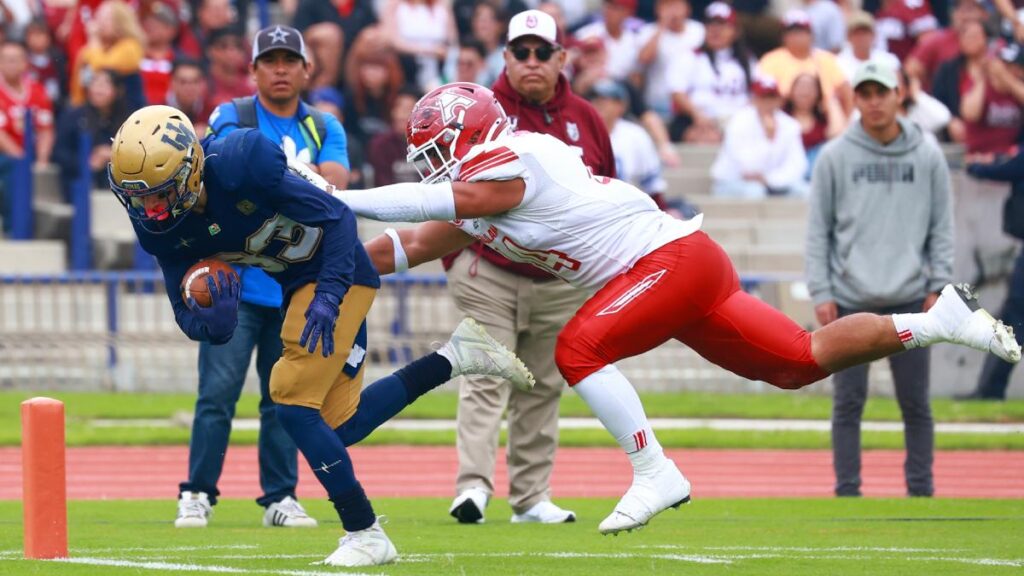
574, 358
293, 418
805, 374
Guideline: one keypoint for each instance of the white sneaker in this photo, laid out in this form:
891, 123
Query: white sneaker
468, 507
545, 512
369, 547
963, 321
471, 350
649, 495
194, 510
288, 513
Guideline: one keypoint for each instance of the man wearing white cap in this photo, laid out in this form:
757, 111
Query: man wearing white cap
880, 184
522, 306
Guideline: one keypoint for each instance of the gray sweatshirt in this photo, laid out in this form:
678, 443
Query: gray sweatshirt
881, 222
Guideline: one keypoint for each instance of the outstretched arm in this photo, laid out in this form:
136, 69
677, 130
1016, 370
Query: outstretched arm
416, 202
426, 242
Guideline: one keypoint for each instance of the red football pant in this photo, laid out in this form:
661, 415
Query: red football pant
687, 290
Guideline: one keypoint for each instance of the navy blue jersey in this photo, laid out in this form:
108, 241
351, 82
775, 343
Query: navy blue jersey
260, 214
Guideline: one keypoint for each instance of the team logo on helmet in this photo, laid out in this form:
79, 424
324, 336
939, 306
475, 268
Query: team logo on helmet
447, 122
453, 106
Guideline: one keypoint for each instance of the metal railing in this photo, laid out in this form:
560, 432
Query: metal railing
116, 331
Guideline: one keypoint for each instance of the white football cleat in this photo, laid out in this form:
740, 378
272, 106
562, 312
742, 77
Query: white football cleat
963, 321
289, 514
545, 512
649, 495
468, 507
472, 351
369, 547
194, 510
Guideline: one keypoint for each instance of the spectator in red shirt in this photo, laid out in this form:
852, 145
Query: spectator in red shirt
942, 45
948, 85
189, 93
387, 151
991, 105
46, 64
161, 28
228, 61
185, 41
212, 15
19, 93
902, 23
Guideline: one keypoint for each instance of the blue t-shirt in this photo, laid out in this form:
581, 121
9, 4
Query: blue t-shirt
297, 142
260, 214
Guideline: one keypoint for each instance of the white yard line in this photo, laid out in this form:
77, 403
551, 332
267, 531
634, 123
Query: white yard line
697, 555
179, 567
765, 425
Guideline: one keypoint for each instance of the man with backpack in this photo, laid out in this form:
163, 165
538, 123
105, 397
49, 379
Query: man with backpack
280, 67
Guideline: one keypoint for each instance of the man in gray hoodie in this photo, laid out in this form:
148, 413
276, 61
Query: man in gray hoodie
880, 239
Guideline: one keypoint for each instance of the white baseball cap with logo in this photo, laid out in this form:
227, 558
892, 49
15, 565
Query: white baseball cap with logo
533, 23
879, 72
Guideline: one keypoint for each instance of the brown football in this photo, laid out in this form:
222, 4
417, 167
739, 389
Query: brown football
194, 282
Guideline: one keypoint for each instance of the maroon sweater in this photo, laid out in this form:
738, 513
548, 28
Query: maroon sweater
567, 117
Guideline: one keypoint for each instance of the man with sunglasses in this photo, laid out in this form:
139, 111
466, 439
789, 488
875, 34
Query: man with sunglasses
522, 306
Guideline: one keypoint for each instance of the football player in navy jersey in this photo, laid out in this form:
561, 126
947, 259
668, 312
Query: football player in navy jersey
235, 199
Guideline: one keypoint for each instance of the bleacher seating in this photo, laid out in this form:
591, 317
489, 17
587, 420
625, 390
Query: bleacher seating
32, 257
113, 239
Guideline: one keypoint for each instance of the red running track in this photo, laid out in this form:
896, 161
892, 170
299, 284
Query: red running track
154, 472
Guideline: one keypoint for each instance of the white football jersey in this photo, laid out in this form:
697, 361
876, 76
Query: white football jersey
584, 229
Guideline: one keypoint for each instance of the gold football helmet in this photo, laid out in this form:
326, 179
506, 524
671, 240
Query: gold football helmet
156, 167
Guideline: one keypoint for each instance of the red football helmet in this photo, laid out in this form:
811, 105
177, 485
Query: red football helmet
447, 122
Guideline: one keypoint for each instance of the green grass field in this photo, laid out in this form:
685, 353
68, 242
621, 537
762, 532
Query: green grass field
709, 537
83, 408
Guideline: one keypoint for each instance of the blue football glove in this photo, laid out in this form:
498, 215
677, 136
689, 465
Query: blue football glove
221, 317
320, 318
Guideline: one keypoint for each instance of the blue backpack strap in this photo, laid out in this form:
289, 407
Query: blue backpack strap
246, 109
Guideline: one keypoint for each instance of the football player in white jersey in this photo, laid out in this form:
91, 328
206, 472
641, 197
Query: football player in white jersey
530, 197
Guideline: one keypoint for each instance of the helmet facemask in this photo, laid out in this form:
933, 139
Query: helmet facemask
435, 158
132, 195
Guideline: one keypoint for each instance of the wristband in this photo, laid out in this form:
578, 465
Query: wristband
401, 259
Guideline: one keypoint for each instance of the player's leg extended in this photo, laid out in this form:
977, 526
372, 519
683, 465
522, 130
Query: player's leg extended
635, 312
470, 351
956, 317
300, 383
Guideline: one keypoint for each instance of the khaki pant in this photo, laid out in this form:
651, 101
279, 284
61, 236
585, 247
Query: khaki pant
526, 315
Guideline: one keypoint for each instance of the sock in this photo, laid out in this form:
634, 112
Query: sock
385, 398
425, 374
329, 460
616, 404
354, 509
916, 330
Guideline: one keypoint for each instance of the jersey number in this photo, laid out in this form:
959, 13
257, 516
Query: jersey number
300, 242
550, 260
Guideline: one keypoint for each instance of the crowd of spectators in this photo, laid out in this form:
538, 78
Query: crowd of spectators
683, 70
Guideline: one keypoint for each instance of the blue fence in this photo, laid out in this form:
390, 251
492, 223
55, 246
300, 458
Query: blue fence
115, 331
